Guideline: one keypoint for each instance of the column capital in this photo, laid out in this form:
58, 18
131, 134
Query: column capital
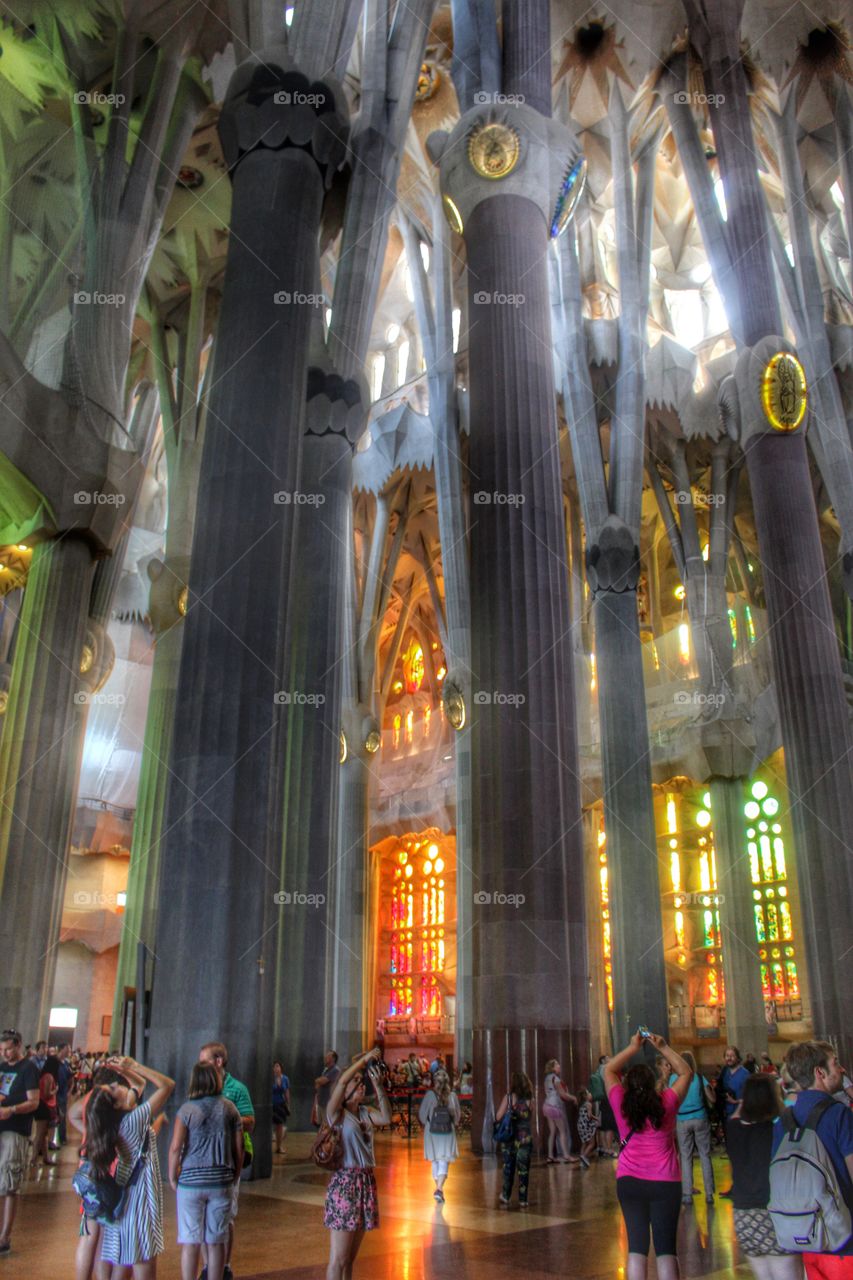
613, 559
272, 105
335, 406
503, 147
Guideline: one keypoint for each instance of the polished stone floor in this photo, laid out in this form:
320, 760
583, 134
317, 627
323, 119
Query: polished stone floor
573, 1227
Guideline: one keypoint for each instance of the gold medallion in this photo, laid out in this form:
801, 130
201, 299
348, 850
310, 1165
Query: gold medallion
493, 150
784, 394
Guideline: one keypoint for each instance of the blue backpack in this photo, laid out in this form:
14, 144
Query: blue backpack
104, 1200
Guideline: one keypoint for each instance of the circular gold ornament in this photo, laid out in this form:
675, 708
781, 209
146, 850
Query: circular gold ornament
784, 394
454, 705
493, 150
452, 214
183, 600
87, 659
373, 742
344, 748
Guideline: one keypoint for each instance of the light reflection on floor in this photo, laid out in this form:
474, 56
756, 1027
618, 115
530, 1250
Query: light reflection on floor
573, 1227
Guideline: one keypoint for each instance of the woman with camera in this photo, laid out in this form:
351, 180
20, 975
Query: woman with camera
648, 1175
352, 1206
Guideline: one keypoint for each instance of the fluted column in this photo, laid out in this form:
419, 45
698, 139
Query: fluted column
283, 139
139, 922
639, 980
311, 768
529, 948
38, 775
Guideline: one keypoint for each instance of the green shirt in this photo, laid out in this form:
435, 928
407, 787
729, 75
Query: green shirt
235, 1091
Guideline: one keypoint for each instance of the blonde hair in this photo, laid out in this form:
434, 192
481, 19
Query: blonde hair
551, 1064
441, 1087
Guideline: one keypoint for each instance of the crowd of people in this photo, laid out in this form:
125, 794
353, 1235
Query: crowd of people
648, 1107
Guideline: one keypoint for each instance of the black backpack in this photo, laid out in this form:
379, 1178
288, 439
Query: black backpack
104, 1200
441, 1121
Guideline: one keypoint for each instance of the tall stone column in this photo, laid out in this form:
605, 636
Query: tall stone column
806, 663
139, 924
312, 699
639, 986
38, 774
530, 969
283, 138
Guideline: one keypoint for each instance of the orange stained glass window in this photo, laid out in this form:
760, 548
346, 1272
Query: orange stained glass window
413, 667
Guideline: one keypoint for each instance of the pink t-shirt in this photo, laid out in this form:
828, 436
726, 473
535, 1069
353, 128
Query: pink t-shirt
651, 1153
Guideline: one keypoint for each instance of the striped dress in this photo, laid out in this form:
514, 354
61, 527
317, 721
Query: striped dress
138, 1235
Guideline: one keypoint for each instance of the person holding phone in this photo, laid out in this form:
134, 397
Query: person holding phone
352, 1206
648, 1175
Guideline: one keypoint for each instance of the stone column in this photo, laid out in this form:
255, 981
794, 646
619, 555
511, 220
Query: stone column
38, 774
639, 983
529, 946
312, 709
168, 599
283, 138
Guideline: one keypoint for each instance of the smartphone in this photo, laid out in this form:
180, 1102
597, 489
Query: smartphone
644, 1032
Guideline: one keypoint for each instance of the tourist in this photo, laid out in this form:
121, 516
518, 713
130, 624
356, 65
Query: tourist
554, 1110
816, 1071
215, 1054
45, 1116
648, 1178
749, 1142
19, 1095
439, 1114
39, 1054
412, 1071
205, 1159
118, 1122
465, 1081
607, 1127
89, 1235
280, 1106
588, 1124
730, 1087
767, 1067
352, 1206
63, 1086
437, 1064
324, 1084
750, 1064
518, 1151
693, 1130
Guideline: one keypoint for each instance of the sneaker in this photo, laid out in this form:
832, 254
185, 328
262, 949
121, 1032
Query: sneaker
522, 1204
438, 1195
504, 1201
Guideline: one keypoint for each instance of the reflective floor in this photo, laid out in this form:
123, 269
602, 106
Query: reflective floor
573, 1227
